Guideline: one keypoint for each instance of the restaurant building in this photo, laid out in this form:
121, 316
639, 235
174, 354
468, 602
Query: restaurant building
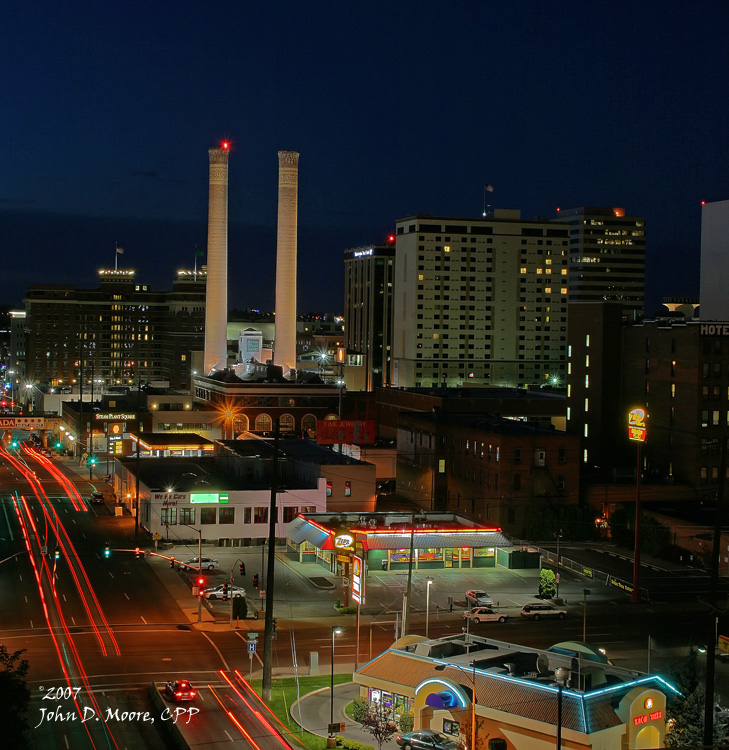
568, 695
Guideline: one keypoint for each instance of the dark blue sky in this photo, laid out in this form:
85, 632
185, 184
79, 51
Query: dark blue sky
396, 107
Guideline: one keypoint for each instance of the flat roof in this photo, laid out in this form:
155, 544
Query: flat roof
173, 439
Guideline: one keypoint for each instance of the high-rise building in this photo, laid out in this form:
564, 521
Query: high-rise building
480, 301
368, 284
594, 391
607, 257
714, 260
122, 333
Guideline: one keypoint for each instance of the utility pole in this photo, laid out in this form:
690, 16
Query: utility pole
713, 599
408, 590
268, 629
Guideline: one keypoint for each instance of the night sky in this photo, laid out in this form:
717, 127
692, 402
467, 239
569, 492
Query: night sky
396, 107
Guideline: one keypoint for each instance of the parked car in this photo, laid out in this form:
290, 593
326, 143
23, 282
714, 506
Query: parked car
217, 592
426, 739
537, 610
97, 497
208, 563
479, 598
484, 614
180, 690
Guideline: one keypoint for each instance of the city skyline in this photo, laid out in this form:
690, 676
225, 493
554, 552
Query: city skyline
394, 113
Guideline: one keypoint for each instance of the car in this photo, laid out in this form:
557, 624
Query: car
484, 614
204, 562
426, 739
537, 610
96, 497
479, 598
217, 592
180, 690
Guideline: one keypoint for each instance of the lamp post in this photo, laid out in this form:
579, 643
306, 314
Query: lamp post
559, 536
472, 677
335, 631
585, 593
427, 605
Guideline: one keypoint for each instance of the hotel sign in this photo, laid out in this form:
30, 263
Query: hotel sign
715, 329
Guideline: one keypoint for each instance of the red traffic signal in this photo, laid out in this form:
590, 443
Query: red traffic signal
255, 580
172, 562
242, 568
136, 552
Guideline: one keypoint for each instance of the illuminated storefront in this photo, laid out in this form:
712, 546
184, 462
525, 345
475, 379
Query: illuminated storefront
438, 541
526, 696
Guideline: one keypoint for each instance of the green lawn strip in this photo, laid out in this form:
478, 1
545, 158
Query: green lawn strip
284, 694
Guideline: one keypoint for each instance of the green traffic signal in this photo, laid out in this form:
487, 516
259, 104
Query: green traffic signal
107, 550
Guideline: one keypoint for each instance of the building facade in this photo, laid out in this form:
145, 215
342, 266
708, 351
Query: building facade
679, 372
121, 333
368, 287
606, 256
498, 471
480, 301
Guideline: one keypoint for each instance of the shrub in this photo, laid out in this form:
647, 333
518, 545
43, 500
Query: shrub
547, 583
407, 723
360, 708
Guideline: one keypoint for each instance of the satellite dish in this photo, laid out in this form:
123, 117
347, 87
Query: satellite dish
543, 664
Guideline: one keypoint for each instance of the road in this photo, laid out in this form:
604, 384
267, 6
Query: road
112, 627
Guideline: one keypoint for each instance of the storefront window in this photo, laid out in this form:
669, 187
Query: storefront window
484, 552
430, 555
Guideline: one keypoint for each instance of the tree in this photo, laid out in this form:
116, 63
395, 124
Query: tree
14, 698
464, 729
686, 712
547, 583
380, 725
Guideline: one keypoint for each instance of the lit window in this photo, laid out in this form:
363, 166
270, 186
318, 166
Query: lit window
441, 466
584, 456
673, 390
587, 340
539, 271
548, 261
569, 368
568, 409
587, 360
563, 290
447, 249
547, 289
347, 489
420, 277
563, 272
522, 269
569, 390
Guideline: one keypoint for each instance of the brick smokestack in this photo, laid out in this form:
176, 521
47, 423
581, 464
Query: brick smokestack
216, 291
284, 349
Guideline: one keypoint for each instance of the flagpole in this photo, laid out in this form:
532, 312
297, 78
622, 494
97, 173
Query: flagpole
116, 255
195, 276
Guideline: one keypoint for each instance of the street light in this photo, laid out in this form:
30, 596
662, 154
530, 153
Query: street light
336, 630
441, 668
427, 605
559, 536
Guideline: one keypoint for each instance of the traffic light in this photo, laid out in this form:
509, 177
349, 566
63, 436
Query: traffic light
255, 580
242, 568
172, 562
91, 460
57, 552
136, 552
273, 622
225, 592
107, 550
200, 585
59, 445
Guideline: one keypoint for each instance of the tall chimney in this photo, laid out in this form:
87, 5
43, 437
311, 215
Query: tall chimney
216, 290
284, 347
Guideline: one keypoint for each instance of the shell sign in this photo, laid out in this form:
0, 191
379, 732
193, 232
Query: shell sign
636, 425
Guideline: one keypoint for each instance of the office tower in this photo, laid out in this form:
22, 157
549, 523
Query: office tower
284, 346
122, 333
714, 261
595, 410
216, 307
368, 280
480, 301
607, 257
